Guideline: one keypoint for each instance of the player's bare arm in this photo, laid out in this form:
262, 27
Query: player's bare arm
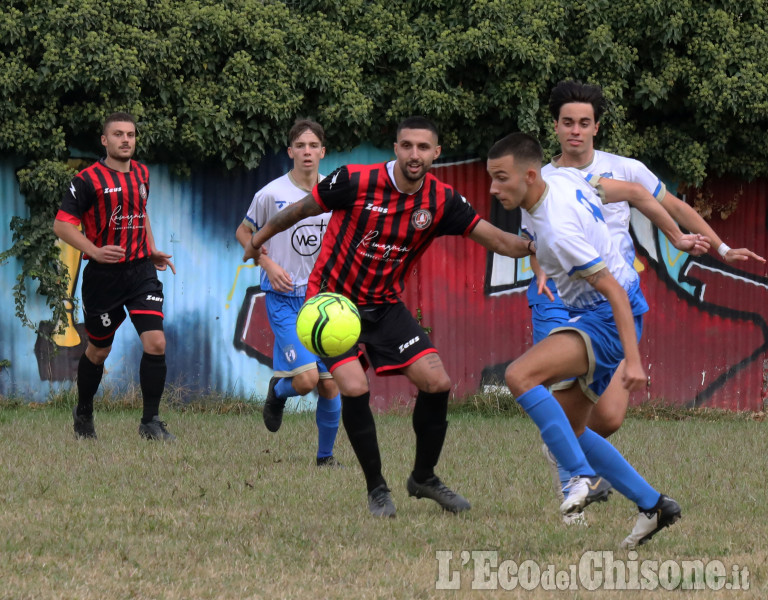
640, 198
501, 242
633, 377
693, 222
70, 234
290, 215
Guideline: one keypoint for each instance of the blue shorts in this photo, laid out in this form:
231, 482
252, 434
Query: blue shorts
597, 328
545, 316
289, 355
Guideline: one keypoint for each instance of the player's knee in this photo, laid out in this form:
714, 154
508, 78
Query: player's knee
435, 385
305, 382
606, 425
515, 380
153, 343
96, 354
327, 388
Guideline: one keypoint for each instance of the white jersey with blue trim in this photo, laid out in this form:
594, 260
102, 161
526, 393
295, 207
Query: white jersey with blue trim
296, 248
617, 215
573, 240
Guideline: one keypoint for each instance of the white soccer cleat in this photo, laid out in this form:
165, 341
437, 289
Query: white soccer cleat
666, 512
583, 491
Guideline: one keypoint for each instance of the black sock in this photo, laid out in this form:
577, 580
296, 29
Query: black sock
152, 370
88, 380
361, 430
430, 425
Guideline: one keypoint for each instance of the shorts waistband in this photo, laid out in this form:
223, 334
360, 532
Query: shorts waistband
120, 266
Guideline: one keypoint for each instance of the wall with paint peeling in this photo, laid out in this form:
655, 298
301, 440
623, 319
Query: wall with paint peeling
705, 339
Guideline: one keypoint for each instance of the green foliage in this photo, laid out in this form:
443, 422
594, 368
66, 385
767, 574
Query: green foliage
220, 81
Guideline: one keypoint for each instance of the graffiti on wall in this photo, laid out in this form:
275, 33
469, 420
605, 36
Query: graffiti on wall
705, 338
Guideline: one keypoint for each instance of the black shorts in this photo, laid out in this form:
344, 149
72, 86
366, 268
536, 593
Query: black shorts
109, 289
393, 340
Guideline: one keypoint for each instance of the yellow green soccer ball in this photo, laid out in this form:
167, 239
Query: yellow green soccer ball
328, 324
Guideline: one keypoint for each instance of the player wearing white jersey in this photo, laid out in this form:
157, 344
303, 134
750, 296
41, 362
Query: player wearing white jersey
576, 109
285, 272
564, 217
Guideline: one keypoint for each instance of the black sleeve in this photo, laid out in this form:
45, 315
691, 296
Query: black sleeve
459, 218
77, 198
336, 191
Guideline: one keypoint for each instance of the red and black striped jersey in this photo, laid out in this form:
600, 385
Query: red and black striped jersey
376, 233
111, 205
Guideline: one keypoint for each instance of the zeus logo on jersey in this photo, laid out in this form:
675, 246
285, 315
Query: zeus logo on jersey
374, 208
152, 298
407, 344
108, 190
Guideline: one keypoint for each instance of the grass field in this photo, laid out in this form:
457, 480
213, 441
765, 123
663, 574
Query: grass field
232, 511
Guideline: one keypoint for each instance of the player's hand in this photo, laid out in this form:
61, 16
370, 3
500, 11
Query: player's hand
161, 260
253, 253
633, 378
742, 254
108, 254
542, 279
279, 278
694, 244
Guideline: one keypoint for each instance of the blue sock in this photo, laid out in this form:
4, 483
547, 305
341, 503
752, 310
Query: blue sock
565, 476
284, 388
327, 417
555, 429
609, 463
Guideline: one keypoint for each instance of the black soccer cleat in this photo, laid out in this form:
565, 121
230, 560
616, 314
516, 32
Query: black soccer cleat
436, 490
272, 413
380, 502
83, 424
329, 462
156, 430
666, 512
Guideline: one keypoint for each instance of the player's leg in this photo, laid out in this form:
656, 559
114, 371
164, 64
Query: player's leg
103, 313
609, 412
295, 372
327, 417
146, 311
349, 375
560, 356
402, 346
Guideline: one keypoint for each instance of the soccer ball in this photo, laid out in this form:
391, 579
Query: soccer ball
328, 324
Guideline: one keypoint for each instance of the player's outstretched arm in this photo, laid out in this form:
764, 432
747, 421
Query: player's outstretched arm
693, 222
633, 377
646, 203
290, 215
501, 242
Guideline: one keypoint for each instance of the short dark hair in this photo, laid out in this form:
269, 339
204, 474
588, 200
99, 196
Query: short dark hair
416, 122
569, 91
118, 117
523, 147
302, 125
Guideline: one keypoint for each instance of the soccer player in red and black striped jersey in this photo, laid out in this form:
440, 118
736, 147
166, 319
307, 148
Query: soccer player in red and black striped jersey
384, 217
109, 201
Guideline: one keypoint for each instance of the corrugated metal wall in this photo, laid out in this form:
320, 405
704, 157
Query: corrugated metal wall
704, 343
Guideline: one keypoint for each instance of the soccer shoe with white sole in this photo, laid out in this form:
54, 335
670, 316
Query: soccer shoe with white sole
272, 413
666, 512
583, 491
575, 518
380, 502
436, 490
552, 462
